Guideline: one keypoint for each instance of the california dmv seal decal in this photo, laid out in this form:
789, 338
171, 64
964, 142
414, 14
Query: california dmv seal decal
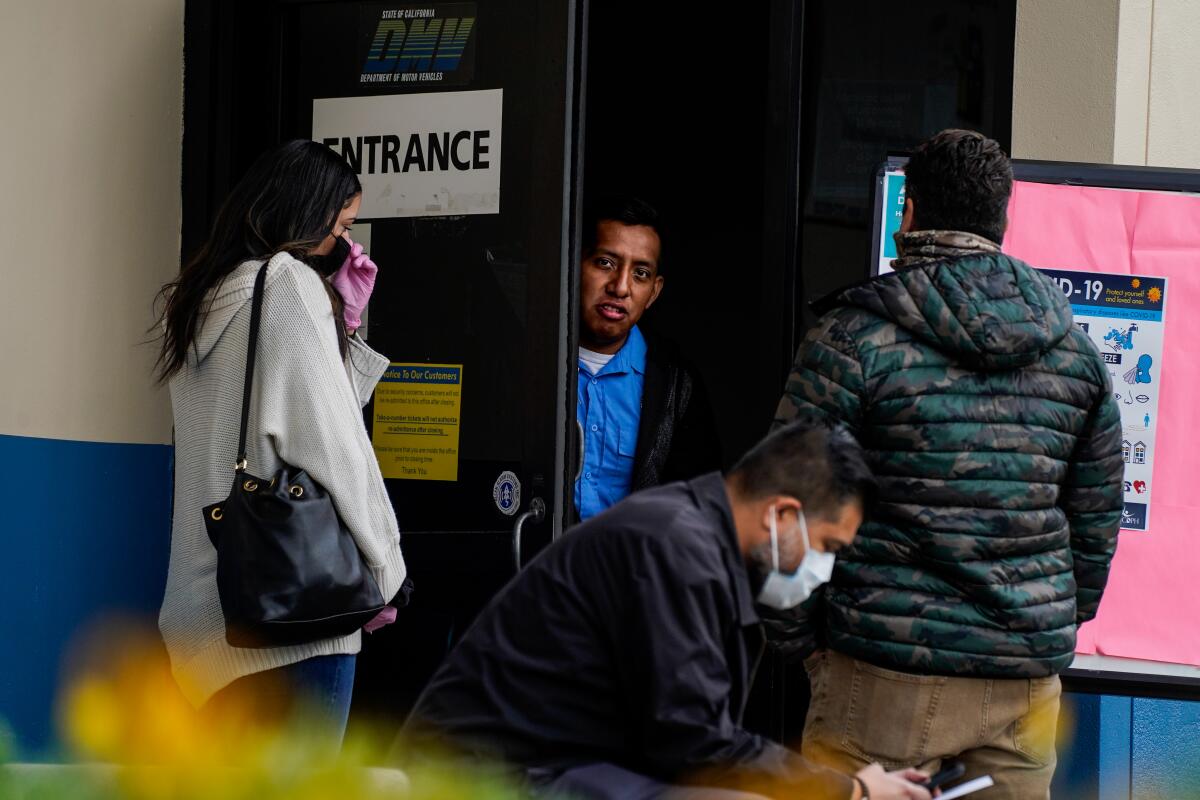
507, 493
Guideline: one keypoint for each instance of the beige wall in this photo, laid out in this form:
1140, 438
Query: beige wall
1173, 136
1132, 98
1108, 81
1064, 79
89, 212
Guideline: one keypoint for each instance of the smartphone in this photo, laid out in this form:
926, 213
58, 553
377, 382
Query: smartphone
951, 772
970, 787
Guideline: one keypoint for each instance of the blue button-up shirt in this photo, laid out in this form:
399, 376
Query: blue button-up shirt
609, 410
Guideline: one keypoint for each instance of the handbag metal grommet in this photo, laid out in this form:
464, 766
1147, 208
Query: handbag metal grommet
250, 486
297, 491
216, 515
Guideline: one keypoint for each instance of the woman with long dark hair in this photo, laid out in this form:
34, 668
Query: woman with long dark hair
294, 210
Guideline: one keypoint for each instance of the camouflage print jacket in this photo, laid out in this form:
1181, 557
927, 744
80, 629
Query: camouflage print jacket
990, 423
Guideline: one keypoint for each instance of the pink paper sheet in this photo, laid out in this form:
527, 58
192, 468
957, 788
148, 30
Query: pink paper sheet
1151, 608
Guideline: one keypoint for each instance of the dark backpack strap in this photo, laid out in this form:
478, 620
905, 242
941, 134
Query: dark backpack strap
251, 347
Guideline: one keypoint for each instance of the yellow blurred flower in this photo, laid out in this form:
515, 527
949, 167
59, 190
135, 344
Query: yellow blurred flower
94, 718
127, 709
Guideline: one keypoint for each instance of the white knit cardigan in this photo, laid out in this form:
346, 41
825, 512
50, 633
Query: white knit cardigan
306, 410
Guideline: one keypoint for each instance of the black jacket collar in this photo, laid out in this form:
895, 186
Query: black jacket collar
712, 498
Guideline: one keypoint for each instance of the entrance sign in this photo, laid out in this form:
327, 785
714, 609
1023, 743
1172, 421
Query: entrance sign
418, 155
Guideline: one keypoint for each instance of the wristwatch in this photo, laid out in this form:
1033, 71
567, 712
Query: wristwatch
862, 787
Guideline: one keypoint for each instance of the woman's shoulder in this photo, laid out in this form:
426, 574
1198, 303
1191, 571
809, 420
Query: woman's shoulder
283, 269
287, 269
287, 272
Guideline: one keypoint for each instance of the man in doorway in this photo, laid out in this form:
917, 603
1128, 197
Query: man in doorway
643, 412
989, 420
617, 664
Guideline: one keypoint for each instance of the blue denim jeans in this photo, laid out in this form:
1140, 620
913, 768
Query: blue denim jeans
327, 683
315, 691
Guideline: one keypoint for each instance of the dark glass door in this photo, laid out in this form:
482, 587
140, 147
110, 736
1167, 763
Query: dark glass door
462, 120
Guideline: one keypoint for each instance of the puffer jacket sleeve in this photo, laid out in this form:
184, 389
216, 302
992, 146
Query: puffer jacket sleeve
1092, 498
826, 377
826, 380
795, 633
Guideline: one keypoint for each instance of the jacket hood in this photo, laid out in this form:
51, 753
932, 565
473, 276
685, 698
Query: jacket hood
990, 312
227, 298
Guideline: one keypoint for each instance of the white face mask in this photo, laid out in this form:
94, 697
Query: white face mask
782, 591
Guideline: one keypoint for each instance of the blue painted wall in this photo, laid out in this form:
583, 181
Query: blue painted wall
1165, 759
1128, 748
86, 534
1077, 776
1115, 740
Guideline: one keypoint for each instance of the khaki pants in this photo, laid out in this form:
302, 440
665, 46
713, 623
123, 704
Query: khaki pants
862, 714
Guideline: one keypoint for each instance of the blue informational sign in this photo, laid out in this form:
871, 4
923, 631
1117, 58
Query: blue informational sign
893, 215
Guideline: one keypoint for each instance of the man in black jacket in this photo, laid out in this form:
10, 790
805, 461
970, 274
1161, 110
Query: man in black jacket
643, 413
617, 664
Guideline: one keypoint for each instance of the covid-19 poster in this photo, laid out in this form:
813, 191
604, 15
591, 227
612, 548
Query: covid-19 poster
1123, 316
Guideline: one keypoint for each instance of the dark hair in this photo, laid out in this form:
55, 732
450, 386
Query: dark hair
960, 181
817, 461
289, 201
625, 209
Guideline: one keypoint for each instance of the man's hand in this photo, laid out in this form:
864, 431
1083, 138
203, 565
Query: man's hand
904, 784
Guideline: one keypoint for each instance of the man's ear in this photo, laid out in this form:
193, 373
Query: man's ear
781, 505
906, 223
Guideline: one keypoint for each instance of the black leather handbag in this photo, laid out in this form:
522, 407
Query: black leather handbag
288, 570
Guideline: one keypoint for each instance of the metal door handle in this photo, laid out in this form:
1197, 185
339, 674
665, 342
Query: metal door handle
537, 513
582, 453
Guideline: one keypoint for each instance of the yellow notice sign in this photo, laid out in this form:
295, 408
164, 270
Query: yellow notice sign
417, 413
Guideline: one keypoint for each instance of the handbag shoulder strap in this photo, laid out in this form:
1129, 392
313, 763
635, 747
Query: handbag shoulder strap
251, 348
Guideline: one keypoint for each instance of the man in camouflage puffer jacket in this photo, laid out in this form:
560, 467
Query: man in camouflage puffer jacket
989, 420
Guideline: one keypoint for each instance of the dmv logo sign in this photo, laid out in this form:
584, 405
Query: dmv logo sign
421, 45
